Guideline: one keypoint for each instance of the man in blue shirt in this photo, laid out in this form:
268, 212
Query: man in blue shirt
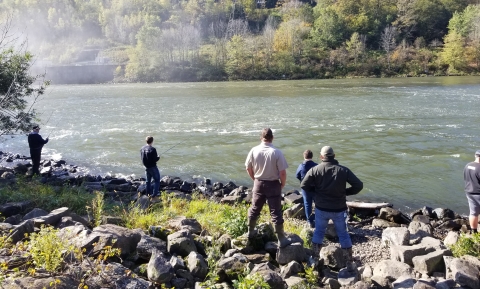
302, 170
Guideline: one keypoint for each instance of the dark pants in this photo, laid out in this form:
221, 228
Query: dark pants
267, 191
36, 154
155, 174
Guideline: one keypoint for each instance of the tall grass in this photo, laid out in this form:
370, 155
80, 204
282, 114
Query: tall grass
46, 196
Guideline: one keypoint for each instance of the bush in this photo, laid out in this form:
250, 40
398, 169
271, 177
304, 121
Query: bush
467, 245
251, 281
48, 249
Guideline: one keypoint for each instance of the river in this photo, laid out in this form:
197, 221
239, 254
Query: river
407, 139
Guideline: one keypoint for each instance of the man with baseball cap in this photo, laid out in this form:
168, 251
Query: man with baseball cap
328, 181
471, 176
36, 142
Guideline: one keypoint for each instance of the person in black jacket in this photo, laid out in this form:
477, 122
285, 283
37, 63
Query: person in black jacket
149, 157
329, 182
36, 142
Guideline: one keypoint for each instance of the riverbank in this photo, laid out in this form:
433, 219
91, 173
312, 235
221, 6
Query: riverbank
177, 252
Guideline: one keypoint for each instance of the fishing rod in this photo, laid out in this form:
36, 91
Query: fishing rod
56, 123
170, 148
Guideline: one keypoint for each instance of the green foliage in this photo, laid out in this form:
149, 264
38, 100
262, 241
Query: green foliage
97, 208
467, 245
47, 249
249, 281
45, 196
236, 221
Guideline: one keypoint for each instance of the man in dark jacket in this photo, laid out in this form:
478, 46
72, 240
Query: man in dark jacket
36, 142
302, 170
149, 157
329, 180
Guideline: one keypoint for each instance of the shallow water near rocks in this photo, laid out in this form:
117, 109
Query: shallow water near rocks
407, 139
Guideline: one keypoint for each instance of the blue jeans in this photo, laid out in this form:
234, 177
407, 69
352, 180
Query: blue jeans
307, 202
155, 174
339, 220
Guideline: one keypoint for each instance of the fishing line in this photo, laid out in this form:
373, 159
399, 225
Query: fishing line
170, 148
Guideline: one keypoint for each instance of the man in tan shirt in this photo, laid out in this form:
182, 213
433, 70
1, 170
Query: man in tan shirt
267, 166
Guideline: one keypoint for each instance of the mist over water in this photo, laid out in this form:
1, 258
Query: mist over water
406, 139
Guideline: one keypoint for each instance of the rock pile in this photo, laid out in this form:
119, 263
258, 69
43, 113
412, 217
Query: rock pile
391, 249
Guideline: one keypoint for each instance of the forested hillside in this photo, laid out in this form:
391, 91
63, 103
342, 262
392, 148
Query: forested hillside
199, 40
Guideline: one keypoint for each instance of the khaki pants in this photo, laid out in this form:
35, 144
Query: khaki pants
267, 191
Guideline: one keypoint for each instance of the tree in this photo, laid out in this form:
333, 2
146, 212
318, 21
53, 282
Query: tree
356, 46
18, 92
453, 51
388, 41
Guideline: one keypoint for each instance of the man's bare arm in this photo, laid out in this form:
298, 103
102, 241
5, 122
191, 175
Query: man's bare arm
283, 178
250, 173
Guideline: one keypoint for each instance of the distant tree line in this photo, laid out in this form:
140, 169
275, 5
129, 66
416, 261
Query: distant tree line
200, 40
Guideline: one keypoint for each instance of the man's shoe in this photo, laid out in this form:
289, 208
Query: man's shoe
282, 240
251, 228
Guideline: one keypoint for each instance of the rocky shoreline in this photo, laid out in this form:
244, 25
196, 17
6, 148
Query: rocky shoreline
391, 249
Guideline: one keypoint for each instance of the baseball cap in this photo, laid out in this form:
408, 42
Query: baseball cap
327, 151
477, 153
35, 126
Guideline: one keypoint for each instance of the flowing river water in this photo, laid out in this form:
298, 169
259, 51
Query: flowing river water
407, 139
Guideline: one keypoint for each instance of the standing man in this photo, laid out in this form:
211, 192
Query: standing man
302, 170
471, 175
36, 142
329, 180
267, 166
149, 157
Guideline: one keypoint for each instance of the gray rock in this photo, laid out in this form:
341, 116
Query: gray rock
14, 220
181, 243
295, 211
231, 200
395, 236
419, 230
52, 218
333, 256
451, 238
291, 269
431, 262
392, 270
405, 254
116, 278
10, 209
380, 223
464, 273
197, 265
424, 284
159, 269
391, 215
225, 243
234, 265
453, 224
332, 283
443, 213
18, 233
292, 252
147, 245
347, 278
35, 213
293, 199
422, 219
445, 284
177, 263
117, 237
295, 282
404, 283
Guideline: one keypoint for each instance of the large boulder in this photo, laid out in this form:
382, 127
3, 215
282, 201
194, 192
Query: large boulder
395, 236
465, 273
431, 262
419, 230
111, 235
159, 268
391, 270
148, 244
181, 243
197, 265
292, 252
333, 256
